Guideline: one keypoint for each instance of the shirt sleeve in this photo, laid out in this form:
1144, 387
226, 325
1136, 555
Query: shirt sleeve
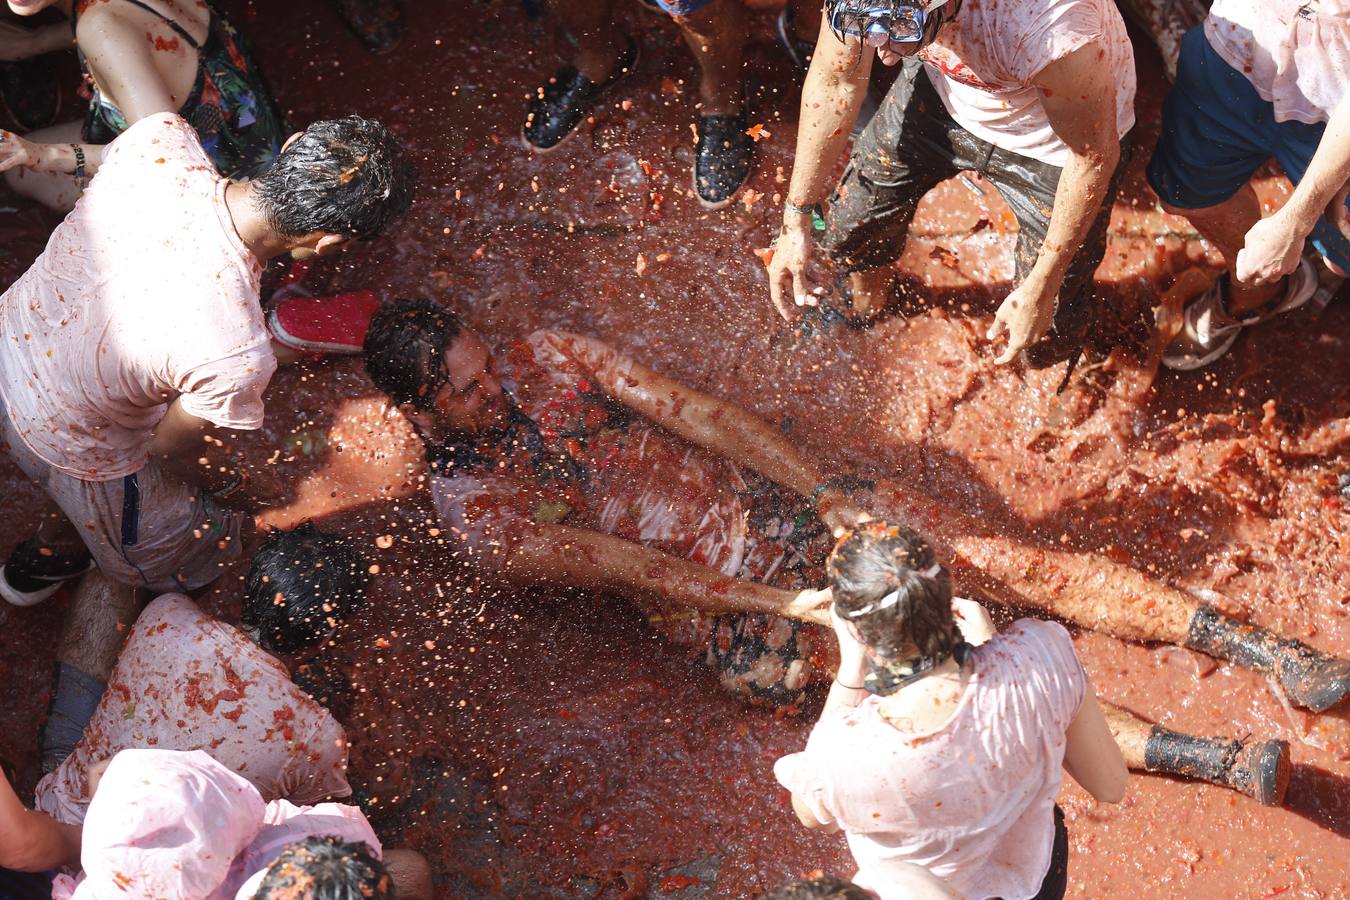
1052, 35
807, 776
322, 773
229, 391
1066, 681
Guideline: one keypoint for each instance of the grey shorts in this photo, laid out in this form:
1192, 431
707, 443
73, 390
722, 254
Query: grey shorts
148, 530
913, 144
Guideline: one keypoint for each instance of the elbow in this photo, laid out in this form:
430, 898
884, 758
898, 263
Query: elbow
1112, 790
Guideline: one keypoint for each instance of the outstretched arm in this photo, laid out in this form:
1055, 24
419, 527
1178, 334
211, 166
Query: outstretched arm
31, 841
580, 557
719, 426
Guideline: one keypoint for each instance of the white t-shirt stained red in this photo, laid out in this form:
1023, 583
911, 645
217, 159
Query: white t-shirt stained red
971, 801
986, 58
144, 294
1296, 53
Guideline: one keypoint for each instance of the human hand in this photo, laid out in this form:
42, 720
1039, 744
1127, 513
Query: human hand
1024, 315
811, 606
838, 511
17, 152
1270, 251
787, 271
973, 621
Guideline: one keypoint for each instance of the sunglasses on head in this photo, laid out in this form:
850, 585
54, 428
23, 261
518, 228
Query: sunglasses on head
879, 24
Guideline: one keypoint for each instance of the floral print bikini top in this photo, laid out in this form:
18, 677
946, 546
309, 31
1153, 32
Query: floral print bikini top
230, 105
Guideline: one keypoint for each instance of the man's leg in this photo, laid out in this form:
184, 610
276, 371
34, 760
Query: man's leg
902, 154
601, 55
1226, 226
1259, 769
100, 615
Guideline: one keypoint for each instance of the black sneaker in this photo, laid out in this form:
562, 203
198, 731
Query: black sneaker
376, 23
722, 160
31, 92
557, 108
33, 572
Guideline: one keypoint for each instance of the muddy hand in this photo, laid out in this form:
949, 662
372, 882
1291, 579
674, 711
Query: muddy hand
16, 152
811, 606
1023, 316
1270, 251
787, 273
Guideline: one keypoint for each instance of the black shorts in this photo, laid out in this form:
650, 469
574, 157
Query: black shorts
1057, 879
910, 146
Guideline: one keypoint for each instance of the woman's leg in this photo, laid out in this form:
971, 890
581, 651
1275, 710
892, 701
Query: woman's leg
55, 191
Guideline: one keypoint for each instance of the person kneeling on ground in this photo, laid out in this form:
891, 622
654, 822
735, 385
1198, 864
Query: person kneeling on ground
1036, 95
178, 825
186, 681
943, 746
1259, 80
564, 462
123, 413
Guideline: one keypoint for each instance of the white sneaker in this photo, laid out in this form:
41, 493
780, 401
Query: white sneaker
1208, 330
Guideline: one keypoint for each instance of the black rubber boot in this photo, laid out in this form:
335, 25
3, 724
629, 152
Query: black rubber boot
1260, 770
1310, 679
557, 108
722, 159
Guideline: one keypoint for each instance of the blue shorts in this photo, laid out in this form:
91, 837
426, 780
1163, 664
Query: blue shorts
1217, 131
682, 7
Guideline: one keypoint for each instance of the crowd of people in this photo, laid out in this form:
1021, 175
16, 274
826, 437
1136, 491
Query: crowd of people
559, 460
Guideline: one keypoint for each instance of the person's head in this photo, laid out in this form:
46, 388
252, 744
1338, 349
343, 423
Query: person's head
888, 584
326, 868
336, 181
301, 584
819, 887
440, 372
895, 28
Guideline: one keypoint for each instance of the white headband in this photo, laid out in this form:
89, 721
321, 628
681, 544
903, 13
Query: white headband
893, 597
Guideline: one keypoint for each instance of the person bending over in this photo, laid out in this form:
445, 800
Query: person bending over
602, 56
1257, 81
178, 825
934, 752
567, 463
140, 58
186, 681
135, 343
1036, 95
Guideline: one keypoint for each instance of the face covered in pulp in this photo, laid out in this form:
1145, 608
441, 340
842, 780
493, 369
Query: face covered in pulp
471, 399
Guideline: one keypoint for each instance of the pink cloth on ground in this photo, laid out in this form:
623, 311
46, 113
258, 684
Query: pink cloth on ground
986, 58
144, 294
1296, 53
172, 825
164, 825
971, 801
186, 681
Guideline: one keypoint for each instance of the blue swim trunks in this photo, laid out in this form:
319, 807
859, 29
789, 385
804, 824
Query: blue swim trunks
682, 7
1217, 131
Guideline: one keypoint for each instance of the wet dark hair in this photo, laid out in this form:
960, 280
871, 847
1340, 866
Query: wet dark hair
819, 887
347, 176
301, 583
326, 868
879, 559
405, 348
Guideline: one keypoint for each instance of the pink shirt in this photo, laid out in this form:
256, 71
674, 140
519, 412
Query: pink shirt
972, 801
179, 826
1296, 53
985, 59
144, 294
186, 681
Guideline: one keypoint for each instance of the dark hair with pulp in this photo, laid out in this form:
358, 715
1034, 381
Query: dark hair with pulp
405, 349
302, 583
326, 868
878, 559
347, 176
819, 887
